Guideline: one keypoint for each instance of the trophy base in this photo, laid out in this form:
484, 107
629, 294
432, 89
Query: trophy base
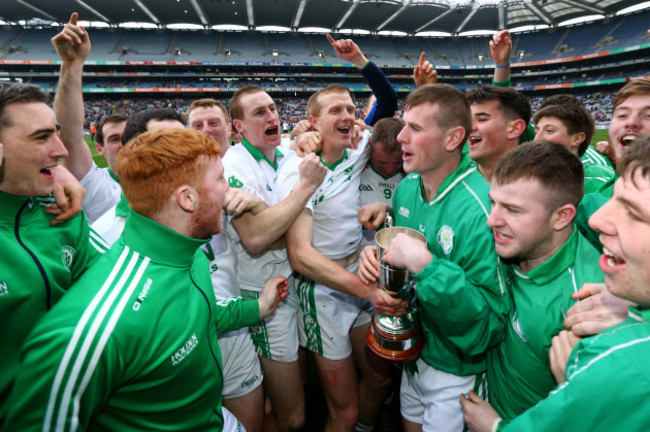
394, 338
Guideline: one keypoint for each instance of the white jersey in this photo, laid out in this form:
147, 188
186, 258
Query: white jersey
335, 204
376, 188
246, 167
102, 192
109, 225
222, 255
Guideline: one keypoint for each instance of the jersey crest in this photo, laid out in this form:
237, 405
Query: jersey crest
67, 256
446, 239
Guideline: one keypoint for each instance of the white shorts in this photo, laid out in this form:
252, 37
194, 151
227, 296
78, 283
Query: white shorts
328, 316
431, 397
230, 422
276, 337
242, 372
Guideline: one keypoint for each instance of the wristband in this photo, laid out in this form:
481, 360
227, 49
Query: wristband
502, 66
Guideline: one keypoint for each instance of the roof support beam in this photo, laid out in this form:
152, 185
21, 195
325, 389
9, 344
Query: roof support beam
406, 5
502, 15
92, 10
467, 18
298, 16
37, 10
582, 5
200, 12
347, 14
150, 14
439, 17
541, 14
251, 14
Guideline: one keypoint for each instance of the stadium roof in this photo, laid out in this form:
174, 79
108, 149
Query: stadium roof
374, 16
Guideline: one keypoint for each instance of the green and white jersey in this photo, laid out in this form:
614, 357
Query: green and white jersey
222, 255
593, 158
102, 192
335, 204
519, 373
376, 188
599, 179
133, 345
461, 294
607, 385
39, 264
110, 225
246, 167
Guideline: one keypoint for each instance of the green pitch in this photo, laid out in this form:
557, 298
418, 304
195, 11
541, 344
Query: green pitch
600, 135
99, 159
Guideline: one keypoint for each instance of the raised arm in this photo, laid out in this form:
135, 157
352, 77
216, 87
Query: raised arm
424, 72
501, 50
72, 45
347, 50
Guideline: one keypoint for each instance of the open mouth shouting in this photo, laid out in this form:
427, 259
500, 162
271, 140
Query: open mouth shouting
272, 131
609, 261
48, 172
474, 140
626, 140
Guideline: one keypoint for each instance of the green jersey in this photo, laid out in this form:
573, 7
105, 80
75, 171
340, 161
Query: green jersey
39, 263
599, 179
607, 385
519, 373
133, 345
461, 298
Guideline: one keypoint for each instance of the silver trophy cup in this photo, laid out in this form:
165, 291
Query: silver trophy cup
396, 338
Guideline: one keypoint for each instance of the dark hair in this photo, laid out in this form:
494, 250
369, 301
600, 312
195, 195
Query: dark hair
558, 170
313, 106
453, 109
560, 99
635, 158
137, 123
385, 133
17, 93
513, 104
576, 118
113, 118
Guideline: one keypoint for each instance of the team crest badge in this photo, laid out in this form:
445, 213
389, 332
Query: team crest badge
67, 256
446, 239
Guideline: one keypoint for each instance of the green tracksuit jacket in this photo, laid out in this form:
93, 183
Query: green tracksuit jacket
607, 385
133, 345
519, 373
461, 298
39, 263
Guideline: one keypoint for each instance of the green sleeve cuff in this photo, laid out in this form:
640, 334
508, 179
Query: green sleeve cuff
251, 313
506, 83
366, 65
425, 272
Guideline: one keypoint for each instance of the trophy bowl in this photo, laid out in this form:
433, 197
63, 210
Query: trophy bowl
395, 338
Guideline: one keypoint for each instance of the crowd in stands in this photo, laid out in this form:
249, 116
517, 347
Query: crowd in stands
187, 285
293, 109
